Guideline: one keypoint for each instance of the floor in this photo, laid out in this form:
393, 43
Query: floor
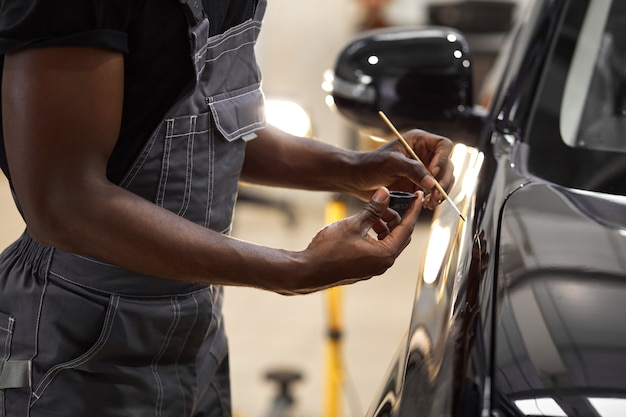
268, 331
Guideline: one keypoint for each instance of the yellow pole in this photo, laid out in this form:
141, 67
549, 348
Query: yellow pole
335, 210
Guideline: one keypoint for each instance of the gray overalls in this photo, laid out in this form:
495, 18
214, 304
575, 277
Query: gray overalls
79, 337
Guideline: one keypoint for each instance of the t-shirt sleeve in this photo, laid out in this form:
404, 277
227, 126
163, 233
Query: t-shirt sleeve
41, 23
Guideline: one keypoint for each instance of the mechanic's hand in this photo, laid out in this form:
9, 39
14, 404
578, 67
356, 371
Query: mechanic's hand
392, 166
345, 252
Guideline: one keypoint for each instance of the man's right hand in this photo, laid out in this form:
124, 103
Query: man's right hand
345, 252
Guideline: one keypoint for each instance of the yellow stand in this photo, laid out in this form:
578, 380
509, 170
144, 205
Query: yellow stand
335, 210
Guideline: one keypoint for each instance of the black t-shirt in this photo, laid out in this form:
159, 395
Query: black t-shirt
151, 33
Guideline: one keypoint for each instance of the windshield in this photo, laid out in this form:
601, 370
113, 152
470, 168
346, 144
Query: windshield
578, 134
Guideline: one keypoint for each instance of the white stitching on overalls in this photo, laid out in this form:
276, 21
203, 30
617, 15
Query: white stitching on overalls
232, 32
80, 284
230, 50
7, 354
166, 341
98, 290
234, 134
201, 41
9, 329
141, 160
39, 310
5, 357
189, 165
210, 41
180, 135
199, 57
165, 165
211, 181
215, 297
182, 348
256, 88
7, 341
107, 326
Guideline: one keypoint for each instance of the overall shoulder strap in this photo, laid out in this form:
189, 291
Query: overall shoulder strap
193, 10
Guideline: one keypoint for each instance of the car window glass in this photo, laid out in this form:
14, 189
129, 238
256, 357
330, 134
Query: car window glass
576, 136
593, 112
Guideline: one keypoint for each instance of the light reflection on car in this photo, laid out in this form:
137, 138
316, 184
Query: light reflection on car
520, 310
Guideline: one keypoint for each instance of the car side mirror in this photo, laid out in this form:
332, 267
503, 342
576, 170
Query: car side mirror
419, 77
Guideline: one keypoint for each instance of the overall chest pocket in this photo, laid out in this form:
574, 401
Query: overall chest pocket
199, 171
191, 167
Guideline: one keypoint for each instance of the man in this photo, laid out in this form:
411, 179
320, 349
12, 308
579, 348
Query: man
127, 125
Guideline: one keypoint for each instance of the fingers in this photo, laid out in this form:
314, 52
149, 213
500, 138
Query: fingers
434, 151
445, 173
435, 197
343, 252
432, 200
389, 220
387, 223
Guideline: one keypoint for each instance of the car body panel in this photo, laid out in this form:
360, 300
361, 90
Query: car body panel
518, 310
560, 297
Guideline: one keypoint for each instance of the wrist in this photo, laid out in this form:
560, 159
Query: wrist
290, 273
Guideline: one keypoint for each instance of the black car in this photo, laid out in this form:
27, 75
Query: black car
521, 309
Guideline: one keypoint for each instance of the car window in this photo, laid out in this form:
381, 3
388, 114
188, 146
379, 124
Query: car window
577, 132
593, 111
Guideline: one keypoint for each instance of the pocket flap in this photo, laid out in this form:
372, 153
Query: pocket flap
15, 374
238, 114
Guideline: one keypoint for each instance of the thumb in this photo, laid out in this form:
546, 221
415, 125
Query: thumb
375, 208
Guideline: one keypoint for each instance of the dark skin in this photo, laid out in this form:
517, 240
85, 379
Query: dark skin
62, 111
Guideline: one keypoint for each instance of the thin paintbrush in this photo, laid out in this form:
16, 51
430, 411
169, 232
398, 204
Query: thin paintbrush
414, 155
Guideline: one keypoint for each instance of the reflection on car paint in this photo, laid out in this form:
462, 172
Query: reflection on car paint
519, 310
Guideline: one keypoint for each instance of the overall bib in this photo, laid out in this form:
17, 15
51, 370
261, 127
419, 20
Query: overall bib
80, 337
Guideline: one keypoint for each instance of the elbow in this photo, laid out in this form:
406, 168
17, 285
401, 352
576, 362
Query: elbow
54, 219
47, 224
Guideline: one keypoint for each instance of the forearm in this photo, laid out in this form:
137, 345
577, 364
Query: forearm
278, 159
113, 225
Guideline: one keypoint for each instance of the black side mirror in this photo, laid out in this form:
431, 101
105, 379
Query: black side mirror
419, 77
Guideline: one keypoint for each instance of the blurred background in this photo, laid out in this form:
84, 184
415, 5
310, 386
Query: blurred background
298, 44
